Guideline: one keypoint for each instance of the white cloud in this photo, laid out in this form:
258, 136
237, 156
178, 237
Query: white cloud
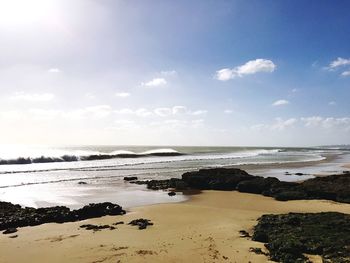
251, 67
179, 109
339, 62
312, 121
280, 102
331, 122
225, 74
54, 70
346, 73
228, 111
21, 96
156, 82
332, 103
278, 125
143, 112
294, 90
124, 111
281, 124
163, 111
122, 94
327, 122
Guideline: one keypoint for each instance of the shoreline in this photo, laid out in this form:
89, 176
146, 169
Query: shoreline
204, 228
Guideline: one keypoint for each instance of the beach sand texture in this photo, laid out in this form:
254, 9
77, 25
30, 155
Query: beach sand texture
203, 229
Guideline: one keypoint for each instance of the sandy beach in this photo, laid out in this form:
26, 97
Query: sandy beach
203, 229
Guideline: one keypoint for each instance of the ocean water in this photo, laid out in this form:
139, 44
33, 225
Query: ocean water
44, 176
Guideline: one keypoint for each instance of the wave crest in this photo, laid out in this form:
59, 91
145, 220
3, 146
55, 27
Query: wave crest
83, 156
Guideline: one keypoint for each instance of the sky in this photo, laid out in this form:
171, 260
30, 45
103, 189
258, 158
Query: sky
162, 72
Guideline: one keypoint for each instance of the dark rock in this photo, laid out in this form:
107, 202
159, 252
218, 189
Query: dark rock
130, 178
290, 195
180, 185
257, 250
299, 174
98, 210
96, 227
10, 231
12, 216
163, 184
216, 179
118, 223
333, 187
257, 185
243, 233
141, 223
289, 236
82, 182
14, 236
139, 182
172, 193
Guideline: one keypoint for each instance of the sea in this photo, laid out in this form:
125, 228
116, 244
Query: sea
73, 176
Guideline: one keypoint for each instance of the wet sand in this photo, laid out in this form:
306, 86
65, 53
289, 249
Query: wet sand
203, 229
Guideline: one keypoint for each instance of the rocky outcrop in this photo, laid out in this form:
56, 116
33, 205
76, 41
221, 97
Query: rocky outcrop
289, 236
334, 187
257, 185
216, 179
130, 178
12, 216
174, 183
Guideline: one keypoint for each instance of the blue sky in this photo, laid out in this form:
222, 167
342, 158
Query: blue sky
175, 72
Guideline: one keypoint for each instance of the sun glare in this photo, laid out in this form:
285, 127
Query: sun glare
25, 12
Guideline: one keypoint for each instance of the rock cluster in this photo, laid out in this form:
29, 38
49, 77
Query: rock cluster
289, 236
12, 216
97, 227
141, 223
333, 187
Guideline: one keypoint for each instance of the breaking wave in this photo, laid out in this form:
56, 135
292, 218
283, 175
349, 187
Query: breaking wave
87, 156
